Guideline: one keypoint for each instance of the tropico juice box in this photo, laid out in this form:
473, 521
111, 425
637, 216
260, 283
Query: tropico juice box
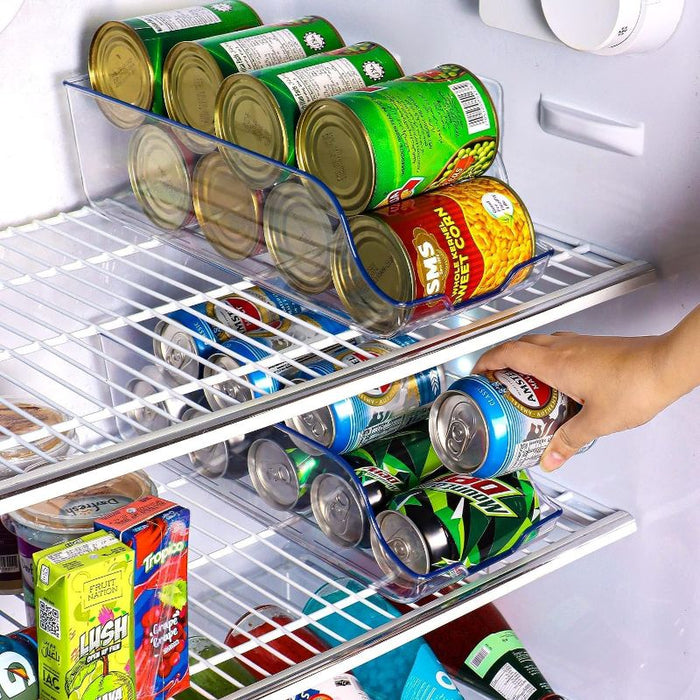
157, 530
85, 616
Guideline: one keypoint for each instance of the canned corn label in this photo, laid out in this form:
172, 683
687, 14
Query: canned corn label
186, 18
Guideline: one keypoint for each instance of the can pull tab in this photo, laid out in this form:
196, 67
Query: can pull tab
339, 508
460, 434
314, 425
279, 473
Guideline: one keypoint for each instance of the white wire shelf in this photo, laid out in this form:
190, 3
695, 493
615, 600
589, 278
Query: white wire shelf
81, 293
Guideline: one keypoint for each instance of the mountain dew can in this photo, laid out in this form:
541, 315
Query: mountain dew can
384, 468
456, 518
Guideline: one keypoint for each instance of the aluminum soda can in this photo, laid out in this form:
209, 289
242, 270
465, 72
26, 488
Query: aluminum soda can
259, 110
382, 144
456, 518
19, 666
194, 70
350, 423
498, 423
282, 476
126, 56
385, 468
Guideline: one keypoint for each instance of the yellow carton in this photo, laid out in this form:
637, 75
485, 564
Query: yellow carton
85, 619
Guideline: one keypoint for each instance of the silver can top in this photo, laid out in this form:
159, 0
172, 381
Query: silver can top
148, 418
316, 425
171, 352
273, 474
458, 432
338, 509
237, 392
405, 540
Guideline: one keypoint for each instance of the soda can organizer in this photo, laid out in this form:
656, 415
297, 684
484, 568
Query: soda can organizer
154, 175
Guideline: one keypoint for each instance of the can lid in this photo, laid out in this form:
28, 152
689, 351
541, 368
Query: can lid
333, 144
119, 66
273, 474
142, 387
172, 353
386, 261
238, 392
160, 177
299, 237
338, 509
316, 425
227, 210
74, 513
191, 79
211, 461
458, 432
406, 541
247, 114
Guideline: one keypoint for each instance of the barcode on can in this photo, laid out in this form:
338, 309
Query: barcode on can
473, 106
9, 563
480, 657
49, 619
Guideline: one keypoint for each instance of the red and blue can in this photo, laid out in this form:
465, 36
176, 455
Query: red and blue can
19, 670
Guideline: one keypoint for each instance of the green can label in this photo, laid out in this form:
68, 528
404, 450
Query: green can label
307, 468
427, 130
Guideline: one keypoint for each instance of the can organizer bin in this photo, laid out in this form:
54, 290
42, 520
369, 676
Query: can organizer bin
178, 184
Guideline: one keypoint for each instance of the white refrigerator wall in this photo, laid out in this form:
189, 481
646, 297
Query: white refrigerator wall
619, 624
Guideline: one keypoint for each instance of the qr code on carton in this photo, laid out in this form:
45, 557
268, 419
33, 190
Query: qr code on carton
49, 619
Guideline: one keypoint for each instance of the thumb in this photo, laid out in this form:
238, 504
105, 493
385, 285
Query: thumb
571, 437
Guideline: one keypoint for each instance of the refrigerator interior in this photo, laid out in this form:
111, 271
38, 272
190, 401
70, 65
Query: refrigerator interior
618, 624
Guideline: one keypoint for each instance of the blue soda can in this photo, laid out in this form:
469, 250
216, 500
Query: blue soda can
498, 423
350, 423
19, 670
228, 313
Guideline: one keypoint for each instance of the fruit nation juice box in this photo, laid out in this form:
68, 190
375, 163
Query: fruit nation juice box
157, 530
85, 615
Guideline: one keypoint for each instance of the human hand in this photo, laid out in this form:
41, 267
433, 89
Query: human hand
621, 382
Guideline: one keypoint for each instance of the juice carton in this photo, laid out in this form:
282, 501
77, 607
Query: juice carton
85, 616
157, 530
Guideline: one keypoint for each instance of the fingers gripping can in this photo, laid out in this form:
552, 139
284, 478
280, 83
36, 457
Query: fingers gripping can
456, 518
499, 423
383, 144
350, 423
385, 468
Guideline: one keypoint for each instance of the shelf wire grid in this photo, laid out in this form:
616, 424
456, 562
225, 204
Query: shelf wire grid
80, 295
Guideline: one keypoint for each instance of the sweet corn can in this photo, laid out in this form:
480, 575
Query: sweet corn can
380, 145
259, 110
456, 243
126, 56
194, 70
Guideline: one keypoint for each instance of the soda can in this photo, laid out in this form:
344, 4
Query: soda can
385, 468
456, 518
282, 476
350, 423
259, 110
126, 57
19, 666
495, 424
380, 145
194, 70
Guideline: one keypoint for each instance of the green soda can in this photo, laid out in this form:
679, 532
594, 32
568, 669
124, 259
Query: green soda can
194, 70
282, 476
126, 56
456, 518
382, 144
259, 110
385, 468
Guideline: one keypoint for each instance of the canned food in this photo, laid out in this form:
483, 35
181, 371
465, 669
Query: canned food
380, 145
498, 423
456, 518
126, 56
282, 476
67, 517
259, 110
19, 663
228, 211
194, 70
384, 468
458, 243
350, 423
160, 172
300, 237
